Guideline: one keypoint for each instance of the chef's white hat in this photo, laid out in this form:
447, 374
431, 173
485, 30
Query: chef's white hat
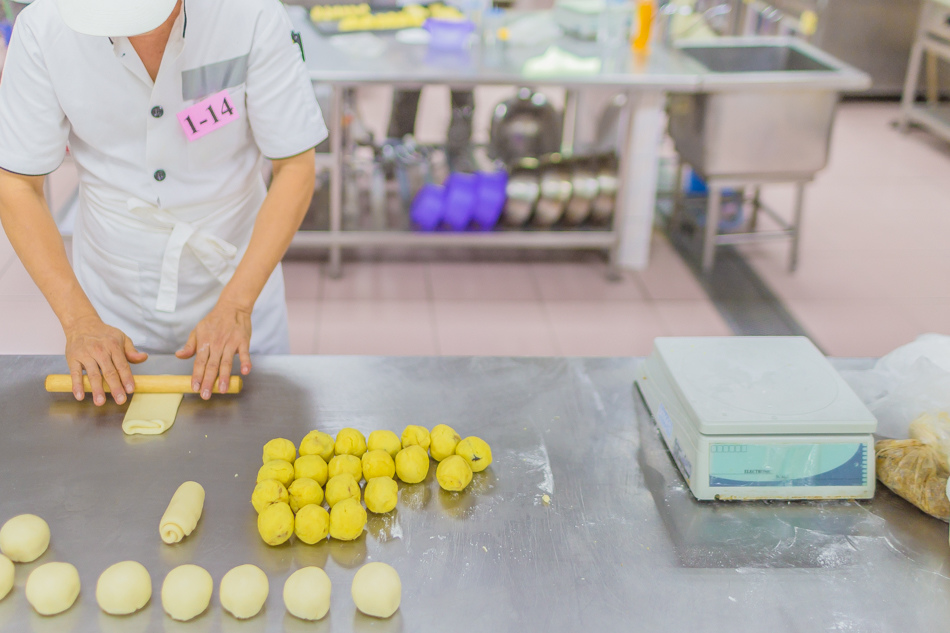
114, 18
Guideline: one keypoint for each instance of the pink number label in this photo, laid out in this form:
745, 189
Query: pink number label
208, 115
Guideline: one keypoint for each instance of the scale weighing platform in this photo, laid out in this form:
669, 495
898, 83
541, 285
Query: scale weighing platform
759, 418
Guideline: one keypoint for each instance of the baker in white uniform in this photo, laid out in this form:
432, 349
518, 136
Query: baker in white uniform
168, 108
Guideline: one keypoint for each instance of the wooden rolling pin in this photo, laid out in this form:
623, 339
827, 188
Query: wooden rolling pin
63, 383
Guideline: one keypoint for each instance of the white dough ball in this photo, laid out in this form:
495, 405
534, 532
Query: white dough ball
124, 588
307, 593
186, 592
377, 590
6, 576
52, 588
24, 538
243, 591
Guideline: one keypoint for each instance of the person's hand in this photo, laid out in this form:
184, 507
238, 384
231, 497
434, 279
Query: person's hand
104, 352
226, 331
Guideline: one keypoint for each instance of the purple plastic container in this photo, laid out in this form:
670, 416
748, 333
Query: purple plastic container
490, 198
427, 207
448, 34
461, 191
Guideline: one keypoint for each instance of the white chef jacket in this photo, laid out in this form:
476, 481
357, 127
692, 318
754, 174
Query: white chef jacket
163, 222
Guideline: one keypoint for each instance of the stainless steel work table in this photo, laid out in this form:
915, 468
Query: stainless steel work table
644, 80
622, 545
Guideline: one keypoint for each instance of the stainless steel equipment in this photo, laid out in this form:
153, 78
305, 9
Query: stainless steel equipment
525, 126
933, 39
873, 35
620, 546
764, 115
780, 124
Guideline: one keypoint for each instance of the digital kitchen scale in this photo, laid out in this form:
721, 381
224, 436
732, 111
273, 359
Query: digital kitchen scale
759, 418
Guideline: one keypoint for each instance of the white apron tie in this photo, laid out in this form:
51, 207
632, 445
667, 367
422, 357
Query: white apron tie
213, 252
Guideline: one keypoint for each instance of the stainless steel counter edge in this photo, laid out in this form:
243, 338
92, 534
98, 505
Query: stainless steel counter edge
620, 545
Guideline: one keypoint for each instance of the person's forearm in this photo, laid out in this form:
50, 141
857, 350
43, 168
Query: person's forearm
31, 230
280, 216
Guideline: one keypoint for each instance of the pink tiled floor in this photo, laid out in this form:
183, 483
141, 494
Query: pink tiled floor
874, 265
451, 308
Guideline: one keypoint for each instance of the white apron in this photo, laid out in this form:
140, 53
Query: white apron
155, 272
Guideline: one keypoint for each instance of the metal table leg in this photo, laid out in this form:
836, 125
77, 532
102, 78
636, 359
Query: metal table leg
676, 213
756, 204
621, 200
638, 174
336, 181
910, 82
796, 225
713, 206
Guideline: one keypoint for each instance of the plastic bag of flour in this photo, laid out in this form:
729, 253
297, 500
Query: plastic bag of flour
912, 470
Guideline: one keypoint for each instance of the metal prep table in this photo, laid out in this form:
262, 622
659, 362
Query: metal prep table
933, 39
645, 82
622, 545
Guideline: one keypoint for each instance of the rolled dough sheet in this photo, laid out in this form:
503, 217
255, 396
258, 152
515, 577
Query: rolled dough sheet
183, 512
151, 413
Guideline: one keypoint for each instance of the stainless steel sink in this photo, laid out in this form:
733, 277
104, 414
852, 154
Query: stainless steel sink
764, 110
755, 59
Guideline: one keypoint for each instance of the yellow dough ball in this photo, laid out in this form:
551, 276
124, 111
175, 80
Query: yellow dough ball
276, 523
311, 467
267, 492
347, 520
52, 588
453, 473
377, 590
307, 593
312, 524
186, 592
317, 443
384, 441
415, 435
124, 588
476, 452
279, 469
381, 494
6, 576
350, 442
243, 591
442, 441
24, 538
349, 464
412, 464
279, 448
342, 487
304, 492
378, 463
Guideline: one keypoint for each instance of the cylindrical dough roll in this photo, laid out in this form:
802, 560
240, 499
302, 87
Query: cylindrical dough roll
124, 588
6, 576
52, 588
244, 591
186, 592
183, 512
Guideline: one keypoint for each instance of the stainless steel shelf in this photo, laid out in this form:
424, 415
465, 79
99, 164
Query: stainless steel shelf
579, 239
